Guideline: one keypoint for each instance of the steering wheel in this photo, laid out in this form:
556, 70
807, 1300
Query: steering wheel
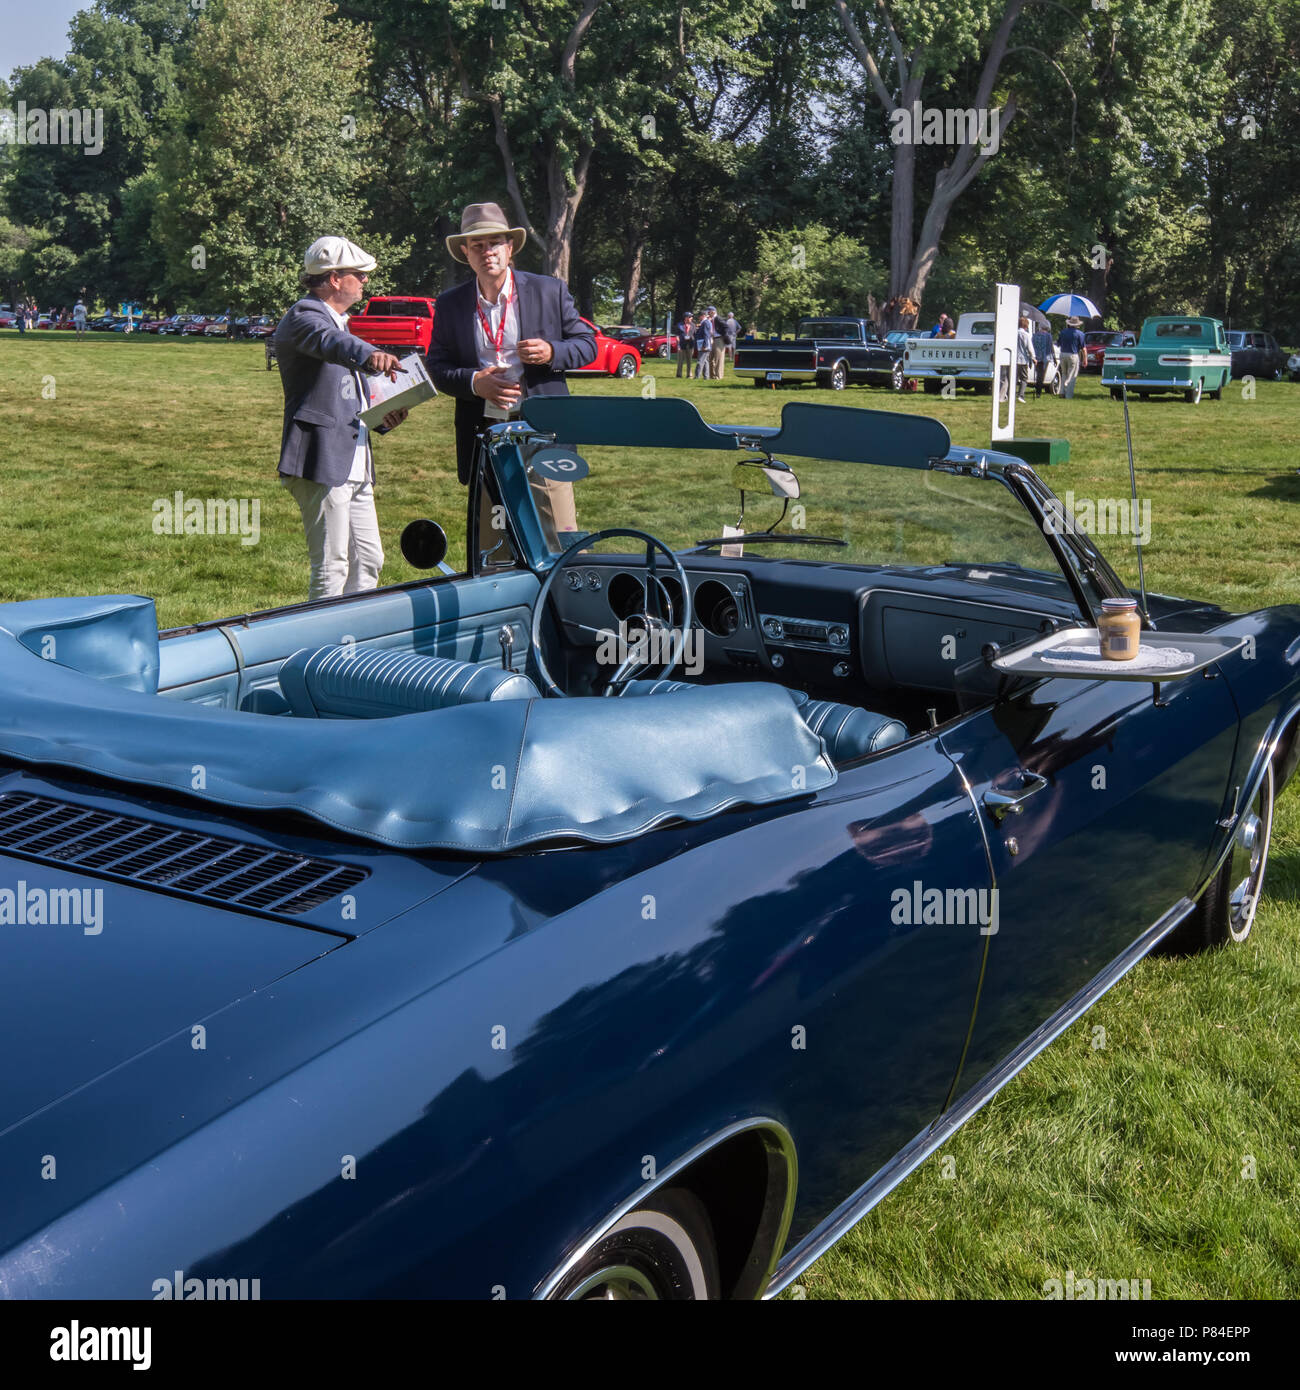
657, 627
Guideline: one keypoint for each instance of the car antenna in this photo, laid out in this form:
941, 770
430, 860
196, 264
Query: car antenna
1133, 492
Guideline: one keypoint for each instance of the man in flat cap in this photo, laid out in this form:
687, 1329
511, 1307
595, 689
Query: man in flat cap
325, 456
499, 337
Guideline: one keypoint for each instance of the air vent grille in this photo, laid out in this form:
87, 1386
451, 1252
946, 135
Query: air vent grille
210, 867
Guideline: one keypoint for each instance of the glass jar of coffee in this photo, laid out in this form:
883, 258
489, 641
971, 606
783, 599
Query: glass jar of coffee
1119, 628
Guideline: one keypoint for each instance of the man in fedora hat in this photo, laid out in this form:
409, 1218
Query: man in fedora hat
499, 337
1071, 345
325, 457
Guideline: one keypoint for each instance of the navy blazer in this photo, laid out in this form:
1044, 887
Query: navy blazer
316, 361
546, 310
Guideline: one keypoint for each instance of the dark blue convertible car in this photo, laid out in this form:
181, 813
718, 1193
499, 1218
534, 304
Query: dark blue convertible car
620, 919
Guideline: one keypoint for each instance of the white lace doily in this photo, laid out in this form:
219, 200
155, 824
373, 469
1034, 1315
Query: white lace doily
1087, 656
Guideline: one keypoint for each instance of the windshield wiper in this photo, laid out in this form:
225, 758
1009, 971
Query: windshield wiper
763, 536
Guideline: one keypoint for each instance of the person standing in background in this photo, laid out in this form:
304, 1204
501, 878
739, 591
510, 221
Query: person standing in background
500, 337
1071, 345
1042, 336
326, 462
733, 334
703, 345
79, 318
685, 343
718, 348
1025, 358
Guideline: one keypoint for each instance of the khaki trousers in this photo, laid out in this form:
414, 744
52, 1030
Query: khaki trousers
717, 359
342, 535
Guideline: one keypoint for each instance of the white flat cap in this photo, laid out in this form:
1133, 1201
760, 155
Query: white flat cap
328, 253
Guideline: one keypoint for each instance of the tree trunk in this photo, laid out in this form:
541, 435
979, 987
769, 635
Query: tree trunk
1099, 280
684, 273
562, 210
584, 289
632, 277
902, 212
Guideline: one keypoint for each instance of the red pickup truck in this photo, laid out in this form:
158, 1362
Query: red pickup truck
397, 323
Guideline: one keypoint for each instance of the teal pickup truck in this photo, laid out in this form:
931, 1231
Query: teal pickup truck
1173, 353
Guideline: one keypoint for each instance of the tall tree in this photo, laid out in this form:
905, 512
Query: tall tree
254, 170
910, 52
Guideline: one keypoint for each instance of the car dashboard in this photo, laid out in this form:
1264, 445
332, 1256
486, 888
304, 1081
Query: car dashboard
848, 632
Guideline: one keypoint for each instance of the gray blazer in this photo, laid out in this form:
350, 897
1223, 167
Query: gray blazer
316, 359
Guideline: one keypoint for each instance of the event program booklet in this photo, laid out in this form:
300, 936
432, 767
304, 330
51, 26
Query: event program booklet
411, 387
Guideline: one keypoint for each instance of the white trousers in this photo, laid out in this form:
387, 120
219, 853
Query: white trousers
342, 535
1069, 373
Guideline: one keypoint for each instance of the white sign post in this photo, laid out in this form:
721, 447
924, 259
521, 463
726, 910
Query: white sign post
1006, 326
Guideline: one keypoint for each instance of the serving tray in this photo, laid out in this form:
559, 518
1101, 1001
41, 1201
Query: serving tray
1075, 653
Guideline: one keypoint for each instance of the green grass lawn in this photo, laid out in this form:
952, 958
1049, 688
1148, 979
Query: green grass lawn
1171, 1153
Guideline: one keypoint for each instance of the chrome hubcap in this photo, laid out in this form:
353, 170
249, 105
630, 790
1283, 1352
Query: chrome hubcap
617, 1282
1249, 860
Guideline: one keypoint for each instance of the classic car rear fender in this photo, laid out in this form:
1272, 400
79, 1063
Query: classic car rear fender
1264, 678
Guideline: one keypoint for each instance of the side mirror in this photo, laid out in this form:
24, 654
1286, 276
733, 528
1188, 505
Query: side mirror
424, 544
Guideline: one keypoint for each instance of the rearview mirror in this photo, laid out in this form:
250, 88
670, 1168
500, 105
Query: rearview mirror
780, 479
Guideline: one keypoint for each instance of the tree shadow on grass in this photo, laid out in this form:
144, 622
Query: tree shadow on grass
1283, 487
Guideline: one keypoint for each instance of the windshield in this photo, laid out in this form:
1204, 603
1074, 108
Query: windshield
845, 514
823, 328
1237, 339
1180, 330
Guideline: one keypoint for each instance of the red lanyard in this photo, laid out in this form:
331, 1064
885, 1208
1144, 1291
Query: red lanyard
497, 338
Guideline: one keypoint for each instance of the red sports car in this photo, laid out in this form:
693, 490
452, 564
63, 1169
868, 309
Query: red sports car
1096, 343
613, 356
646, 341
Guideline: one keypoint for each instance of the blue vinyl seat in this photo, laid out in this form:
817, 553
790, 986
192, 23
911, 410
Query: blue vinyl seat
848, 730
367, 683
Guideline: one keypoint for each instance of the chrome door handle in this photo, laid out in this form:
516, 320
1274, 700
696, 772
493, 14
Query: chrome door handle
1003, 804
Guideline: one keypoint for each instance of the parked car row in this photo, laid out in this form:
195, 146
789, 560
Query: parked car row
646, 341
404, 323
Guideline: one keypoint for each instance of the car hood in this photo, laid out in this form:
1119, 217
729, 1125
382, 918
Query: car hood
94, 972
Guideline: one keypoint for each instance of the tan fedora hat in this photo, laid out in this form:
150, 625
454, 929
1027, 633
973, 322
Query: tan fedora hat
482, 219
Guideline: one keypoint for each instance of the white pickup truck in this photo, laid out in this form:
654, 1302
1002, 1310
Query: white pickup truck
966, 359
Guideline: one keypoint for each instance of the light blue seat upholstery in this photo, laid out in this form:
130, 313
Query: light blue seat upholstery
849, 731
366, 683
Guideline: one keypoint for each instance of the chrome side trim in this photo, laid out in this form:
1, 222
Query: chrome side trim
1150, 383
818, 1241
780, 1144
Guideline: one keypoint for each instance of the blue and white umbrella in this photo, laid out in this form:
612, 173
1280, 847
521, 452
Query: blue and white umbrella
1073, 305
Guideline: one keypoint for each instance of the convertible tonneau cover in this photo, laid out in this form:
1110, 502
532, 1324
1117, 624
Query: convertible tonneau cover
481, 779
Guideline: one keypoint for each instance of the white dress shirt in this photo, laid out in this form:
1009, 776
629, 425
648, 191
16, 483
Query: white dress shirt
361, 470
508, 357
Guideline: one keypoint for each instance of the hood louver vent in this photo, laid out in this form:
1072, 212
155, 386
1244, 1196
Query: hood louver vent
203, 866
